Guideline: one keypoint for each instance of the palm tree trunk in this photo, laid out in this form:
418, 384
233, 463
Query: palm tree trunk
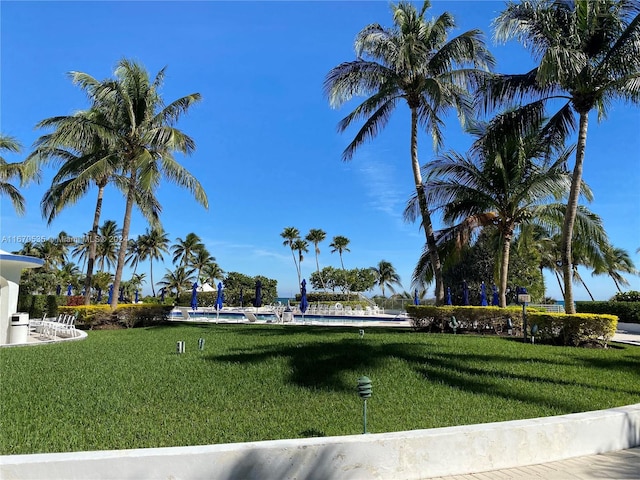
318, 269
570, 215
125, 237
153, 290
92, 244
585, 286
424, 211
559, 282
504, 266
617, 286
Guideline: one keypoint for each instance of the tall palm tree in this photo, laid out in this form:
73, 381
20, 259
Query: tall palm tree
9, 171
588, 57
135, 252
505, 185
413, 61
178, 280
291, 235
212, 272
141, 130
301, 246
155, 242
184, 250
96, 165
340, 244
200, 260
315, 236
107, 244
386, 276
616, 262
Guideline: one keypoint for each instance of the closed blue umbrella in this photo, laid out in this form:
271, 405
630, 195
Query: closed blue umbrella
121, 295
258, 301
110, 294
241, 296
194, 296
99, 294
220, 297
483, 295
496, 298
304, 304
69, 290
449, 302
416, 300
162, 294
136, 296
465, 293
58, 290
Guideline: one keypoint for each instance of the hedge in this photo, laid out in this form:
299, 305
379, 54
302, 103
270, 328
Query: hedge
627, 312
127, 315
557, 328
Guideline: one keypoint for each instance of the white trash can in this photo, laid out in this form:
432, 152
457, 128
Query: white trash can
19, 328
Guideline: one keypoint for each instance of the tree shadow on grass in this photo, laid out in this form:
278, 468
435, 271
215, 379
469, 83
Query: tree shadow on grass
321, 365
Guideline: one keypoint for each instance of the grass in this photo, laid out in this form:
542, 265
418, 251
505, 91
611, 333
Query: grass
129, 389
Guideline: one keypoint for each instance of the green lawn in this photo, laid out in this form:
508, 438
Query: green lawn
129, 389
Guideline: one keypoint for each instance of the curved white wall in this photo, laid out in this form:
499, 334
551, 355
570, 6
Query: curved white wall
417, 454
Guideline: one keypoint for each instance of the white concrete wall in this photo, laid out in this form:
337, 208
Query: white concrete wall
9, 287
417, 454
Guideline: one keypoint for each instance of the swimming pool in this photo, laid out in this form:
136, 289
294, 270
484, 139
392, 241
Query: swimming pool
270, 317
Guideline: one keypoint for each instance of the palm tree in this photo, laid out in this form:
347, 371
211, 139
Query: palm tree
141, 130
97, 164
340, 244
201, 258
135, 252
616, 262
301, 246
107, 245
505, 185
588, 54
155, 243
316, 236
9, 171
414, 61
290, 235
386, 276
178, 280
184, 250
212, 272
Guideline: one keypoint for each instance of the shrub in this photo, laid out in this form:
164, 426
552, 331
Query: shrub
126, 315
627, 312
557, 328
574, 330
632, 296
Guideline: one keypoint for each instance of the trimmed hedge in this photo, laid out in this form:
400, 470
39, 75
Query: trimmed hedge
627, 312
556, 328
126, 315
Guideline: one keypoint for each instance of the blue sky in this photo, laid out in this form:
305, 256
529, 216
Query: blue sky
268, 153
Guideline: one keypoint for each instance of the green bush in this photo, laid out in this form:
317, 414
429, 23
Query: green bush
556, 328
632, 296
627, 312
126, 315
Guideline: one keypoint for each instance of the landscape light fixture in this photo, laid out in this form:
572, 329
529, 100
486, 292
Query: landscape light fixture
364, 390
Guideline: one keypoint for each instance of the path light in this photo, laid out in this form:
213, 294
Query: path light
524, 298
201, 344
180, 347
454, 324
534, 330
364, 390
361, 332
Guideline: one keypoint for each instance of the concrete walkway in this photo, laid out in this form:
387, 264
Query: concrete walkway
621, 465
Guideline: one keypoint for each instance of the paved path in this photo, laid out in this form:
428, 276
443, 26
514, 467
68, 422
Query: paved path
621, 465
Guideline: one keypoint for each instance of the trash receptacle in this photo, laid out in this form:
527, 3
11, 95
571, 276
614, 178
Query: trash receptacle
19, 328
287, 315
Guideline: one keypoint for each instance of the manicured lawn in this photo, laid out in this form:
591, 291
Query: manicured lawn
129, 389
